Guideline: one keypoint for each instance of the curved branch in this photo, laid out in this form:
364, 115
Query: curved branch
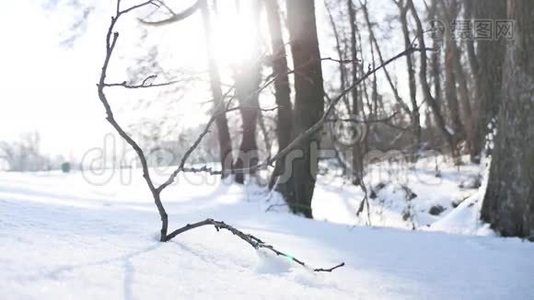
253, 241
175, 16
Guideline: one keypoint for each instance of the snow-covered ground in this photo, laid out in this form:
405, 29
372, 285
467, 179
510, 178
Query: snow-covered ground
64, 238
430, 194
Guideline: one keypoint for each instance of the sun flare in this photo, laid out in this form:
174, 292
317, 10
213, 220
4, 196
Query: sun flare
236, 35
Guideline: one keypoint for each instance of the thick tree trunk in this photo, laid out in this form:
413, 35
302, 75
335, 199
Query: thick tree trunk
509, 201
309, 101
225, 145
488, 79
282, 92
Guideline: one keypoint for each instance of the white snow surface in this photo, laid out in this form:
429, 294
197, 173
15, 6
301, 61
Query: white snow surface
63, 238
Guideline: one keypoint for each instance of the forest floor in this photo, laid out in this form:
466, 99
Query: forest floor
62, 237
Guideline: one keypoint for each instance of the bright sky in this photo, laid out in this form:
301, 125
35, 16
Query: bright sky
44, 87
51, 89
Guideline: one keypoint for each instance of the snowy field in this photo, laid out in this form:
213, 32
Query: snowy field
64, 238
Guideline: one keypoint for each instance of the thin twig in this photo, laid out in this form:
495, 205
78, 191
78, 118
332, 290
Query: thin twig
354, 120
339, 61
142, 85
203, 169
175, 17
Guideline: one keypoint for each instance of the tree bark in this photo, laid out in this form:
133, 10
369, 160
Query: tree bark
488, 79
309, 99
451, 92
247, 81
282, 91
223, 134
429, 99
246, 87
415, 116
509, 200
357, 149
374, 42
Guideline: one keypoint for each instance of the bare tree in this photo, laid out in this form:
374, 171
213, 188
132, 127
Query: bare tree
357, 146
309, 103
284, 126
247, 80
223, 133
375, 44
225, 144
111, 42
450, 13
342, 62
423, 79
404, 8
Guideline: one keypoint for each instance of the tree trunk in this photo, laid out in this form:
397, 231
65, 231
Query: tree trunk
247, 81
340, 55
282, 92
488, 80
429, 99
309, 101
435, 57
416, 123
357, 151
451, 93
470, 43
509, 201
225, 145
340, 46
465, 101
374, 42
246, 87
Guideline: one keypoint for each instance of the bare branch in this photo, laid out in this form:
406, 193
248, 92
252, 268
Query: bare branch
119, 12
252, 107
203, 169
143, 85
339, 61
196, 143
255, 242
175, 17
353, 120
